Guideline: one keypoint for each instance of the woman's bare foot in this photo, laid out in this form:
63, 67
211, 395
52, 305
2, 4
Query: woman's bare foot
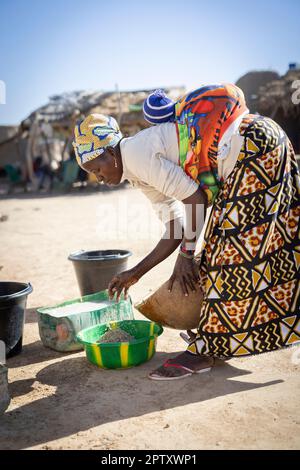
183, 365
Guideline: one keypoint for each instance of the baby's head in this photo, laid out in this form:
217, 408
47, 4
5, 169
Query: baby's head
158, 108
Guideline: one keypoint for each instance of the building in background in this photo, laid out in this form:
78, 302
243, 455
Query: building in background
277, 97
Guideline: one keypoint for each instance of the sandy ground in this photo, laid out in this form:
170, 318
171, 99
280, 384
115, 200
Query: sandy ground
60, 401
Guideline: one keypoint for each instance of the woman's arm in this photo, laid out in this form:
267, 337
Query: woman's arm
185, 269
195, 209
165, 247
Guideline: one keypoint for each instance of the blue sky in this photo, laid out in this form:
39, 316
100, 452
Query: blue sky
51, 46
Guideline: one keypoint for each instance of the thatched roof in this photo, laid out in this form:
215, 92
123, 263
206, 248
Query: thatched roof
63, 109
277, 94
251, 82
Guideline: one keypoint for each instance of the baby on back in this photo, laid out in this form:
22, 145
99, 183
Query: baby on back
158, 108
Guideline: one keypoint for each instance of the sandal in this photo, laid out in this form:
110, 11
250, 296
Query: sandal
187, 370
189, 337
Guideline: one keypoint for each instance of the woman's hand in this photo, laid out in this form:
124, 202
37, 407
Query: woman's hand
122, 281
186, 272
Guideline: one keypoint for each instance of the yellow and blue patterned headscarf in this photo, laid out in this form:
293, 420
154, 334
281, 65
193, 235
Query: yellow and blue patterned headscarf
93, 135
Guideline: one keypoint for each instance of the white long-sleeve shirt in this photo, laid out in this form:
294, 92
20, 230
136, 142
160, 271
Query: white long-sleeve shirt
151, 163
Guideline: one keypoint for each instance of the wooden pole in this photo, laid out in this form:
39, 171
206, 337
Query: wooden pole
119, 103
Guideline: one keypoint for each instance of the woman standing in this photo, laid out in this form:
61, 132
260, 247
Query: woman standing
214, 154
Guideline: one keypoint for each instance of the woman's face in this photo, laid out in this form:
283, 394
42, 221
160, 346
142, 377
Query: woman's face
103, 167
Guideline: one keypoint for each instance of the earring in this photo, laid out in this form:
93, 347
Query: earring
116, 165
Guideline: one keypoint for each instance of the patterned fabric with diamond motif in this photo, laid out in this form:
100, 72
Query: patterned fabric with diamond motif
251, 256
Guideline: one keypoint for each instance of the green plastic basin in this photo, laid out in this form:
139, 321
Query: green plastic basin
125, 354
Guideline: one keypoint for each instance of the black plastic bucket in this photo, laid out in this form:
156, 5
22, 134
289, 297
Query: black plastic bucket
95, 269
13, 298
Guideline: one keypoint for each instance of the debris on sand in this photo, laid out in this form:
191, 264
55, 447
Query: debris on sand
3, 217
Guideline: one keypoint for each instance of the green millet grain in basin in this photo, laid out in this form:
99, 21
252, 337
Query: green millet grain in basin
116, 336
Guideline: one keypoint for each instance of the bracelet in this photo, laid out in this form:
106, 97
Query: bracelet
186, 253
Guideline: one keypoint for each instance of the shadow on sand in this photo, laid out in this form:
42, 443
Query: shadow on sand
86, 397
34, 353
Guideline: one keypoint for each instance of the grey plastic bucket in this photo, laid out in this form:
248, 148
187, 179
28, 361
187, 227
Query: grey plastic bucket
95, 269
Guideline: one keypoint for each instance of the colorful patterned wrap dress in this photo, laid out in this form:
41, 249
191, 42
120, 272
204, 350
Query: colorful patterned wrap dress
250, 258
